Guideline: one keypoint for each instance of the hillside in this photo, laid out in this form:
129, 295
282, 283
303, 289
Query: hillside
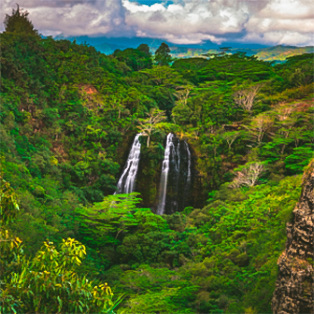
262, 52
282, 52
69, 115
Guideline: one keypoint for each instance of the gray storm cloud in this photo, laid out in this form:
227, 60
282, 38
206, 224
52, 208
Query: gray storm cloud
182, 21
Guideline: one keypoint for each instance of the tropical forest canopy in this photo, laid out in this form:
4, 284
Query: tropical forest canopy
68, 116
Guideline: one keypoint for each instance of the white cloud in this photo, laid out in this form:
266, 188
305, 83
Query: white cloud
206, 18
288, 22
183, 21
189, 21
281, 38
71, 17
289, 9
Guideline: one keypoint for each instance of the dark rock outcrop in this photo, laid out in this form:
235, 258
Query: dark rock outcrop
294, 287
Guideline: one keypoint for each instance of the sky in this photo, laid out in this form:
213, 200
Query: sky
270, 22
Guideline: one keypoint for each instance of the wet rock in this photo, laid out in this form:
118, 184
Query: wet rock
294, 287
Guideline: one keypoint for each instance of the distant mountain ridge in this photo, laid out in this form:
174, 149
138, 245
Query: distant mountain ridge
108, 45
282, 52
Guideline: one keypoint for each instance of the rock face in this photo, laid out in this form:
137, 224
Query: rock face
294, 287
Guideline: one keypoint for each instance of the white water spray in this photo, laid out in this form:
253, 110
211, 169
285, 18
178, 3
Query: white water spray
188, 180
126, 183
164, 175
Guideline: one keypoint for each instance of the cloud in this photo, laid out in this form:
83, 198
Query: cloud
288, 22
179, 21
190, 21
74, 17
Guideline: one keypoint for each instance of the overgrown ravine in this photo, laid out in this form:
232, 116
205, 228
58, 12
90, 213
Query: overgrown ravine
166, 174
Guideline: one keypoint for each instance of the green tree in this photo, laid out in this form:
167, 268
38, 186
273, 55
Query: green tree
50, 282
299, 158
136, 59
230, 137
115, 215
8, 202
162, 55
19, 23
144, 48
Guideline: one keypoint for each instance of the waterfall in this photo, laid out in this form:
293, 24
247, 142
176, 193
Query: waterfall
175, 180
164, 176
187, 184
126, 183
175, 162
188, 180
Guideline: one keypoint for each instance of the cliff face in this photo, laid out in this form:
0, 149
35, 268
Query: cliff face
294, 287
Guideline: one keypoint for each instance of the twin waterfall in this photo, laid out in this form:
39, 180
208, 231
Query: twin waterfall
164, 175
126, 183
175, 179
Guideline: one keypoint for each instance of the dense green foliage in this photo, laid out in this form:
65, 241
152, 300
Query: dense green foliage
136, 59
49, 282
68, 116
162, 55
19, 23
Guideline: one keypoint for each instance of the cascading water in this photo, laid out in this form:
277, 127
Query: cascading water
175, 161
175, 181
188, 180
164, 176
126, 183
